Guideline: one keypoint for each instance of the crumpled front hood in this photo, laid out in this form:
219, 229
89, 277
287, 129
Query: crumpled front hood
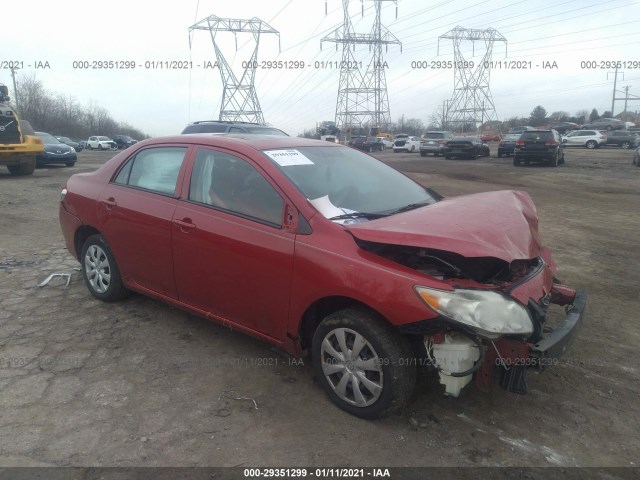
501, 224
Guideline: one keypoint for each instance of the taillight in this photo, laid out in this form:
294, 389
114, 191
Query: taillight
550, 143
520, 143
502, 142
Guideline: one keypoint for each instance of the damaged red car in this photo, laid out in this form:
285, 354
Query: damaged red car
323, 250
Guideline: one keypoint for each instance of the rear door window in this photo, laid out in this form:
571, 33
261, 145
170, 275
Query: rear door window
153, 169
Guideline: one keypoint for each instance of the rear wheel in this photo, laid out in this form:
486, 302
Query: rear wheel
625, 145
413, 148
100, 271
23, 168
555, 160
591, 144
362, 363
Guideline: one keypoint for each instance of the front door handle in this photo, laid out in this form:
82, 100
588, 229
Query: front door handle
185, 224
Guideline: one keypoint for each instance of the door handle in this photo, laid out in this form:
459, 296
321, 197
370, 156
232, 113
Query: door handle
109, 203
185, 224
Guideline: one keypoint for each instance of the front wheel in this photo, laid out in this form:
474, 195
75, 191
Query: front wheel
23, 169
591, 144
625, 145
100, 271
413, 148
363, 364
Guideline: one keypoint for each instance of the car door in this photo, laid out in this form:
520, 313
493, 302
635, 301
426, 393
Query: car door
233, 257
135, 215
575, 138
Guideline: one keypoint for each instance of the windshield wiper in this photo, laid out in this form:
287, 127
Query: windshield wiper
411, 206
371, 216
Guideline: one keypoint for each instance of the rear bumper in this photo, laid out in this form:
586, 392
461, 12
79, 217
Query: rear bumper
69, 224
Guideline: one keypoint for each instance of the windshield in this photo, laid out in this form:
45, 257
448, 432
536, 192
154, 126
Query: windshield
433, 135
343, 180
47, 138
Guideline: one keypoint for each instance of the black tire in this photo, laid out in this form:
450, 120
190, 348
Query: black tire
95, 249
389, 364
625, 145
555, 160
100, 146
23, 168
609, 127
516, 162
70, 164
413, 148
369, 149
591, 144
423, 154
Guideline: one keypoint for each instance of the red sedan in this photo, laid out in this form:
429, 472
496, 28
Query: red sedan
322, 249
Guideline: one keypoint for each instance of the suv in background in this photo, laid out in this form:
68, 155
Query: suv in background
433, 142
100, 143
539, 145
124, 141
214, 126
605, 124
623, 139
585, 138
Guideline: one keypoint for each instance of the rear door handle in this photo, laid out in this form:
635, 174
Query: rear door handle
109, 203
185, 224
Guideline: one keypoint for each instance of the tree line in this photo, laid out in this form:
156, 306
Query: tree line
61, 114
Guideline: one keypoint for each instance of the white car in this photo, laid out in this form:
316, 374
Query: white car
584, 138
386, 142
406, 143
101, 143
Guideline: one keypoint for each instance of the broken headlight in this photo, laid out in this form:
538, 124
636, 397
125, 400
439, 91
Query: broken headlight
490, 314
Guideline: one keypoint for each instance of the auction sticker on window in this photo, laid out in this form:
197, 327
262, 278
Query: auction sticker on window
286, 158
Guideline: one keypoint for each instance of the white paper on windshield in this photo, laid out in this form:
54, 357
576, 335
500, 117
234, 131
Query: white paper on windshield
329, 210
286, 158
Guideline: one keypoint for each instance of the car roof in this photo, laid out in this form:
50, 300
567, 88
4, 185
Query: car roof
236, 140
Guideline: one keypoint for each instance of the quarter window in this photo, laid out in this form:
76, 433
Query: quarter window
232, 184
153, 169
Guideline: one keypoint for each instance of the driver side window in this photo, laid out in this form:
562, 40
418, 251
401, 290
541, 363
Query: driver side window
231, 184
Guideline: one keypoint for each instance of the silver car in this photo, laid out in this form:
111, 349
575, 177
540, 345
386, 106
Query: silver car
584, 138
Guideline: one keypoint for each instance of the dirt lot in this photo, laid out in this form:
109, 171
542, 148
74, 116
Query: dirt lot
140, 383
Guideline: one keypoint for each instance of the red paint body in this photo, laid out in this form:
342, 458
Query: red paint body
262, 279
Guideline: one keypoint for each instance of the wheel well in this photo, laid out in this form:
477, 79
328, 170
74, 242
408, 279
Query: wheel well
320, 310
84, 232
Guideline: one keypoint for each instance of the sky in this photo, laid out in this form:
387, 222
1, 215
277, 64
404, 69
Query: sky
583, 38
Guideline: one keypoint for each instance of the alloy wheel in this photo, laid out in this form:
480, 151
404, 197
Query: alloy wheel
97, 269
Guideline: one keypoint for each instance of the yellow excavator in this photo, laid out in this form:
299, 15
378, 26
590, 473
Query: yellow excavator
19, 145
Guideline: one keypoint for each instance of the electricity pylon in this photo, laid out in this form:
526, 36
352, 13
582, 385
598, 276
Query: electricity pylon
239, 98
471, 102
362, 96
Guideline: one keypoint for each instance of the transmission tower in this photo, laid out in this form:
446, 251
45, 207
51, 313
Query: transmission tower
362, 96
471, 102
239, 99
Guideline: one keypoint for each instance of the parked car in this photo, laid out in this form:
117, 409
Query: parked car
490, 137
368, 143
508, 144
466, 147
539, 146
55, 151
584, 138
636, 157
386, 142
433, 142
604, 124
565, 127
124, 141
219, 126
317, 247
100, 143
520, 129
67, 141
623, 139
405, 143
356, 138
